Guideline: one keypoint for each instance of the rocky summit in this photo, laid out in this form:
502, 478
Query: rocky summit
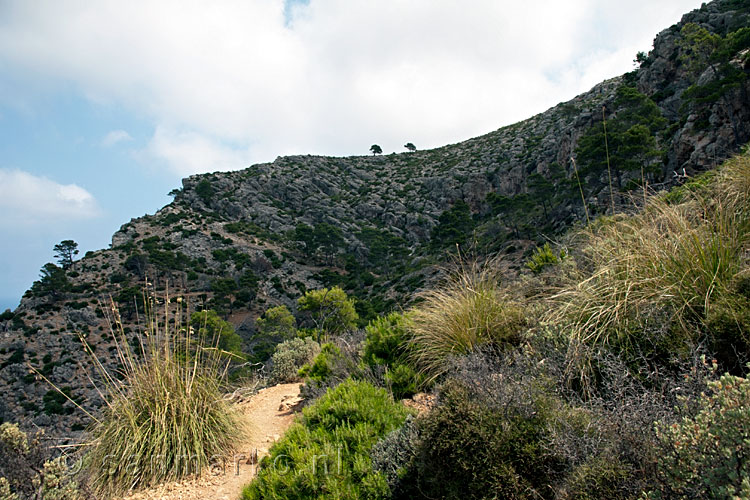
380, 226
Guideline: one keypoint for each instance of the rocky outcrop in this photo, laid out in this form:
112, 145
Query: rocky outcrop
243, 241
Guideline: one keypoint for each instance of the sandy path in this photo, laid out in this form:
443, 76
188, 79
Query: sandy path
268, 414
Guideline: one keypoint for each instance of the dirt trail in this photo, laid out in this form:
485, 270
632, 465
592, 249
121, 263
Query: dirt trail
268, 414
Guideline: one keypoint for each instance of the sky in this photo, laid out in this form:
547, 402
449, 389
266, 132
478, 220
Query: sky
105, 106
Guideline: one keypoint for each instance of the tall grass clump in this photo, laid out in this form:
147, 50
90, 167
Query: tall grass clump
655, 284
164, 416
468, 310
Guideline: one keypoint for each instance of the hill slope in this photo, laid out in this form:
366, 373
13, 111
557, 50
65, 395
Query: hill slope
242, 241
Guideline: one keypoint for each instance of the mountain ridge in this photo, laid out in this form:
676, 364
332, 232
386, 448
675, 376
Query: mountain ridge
378, 226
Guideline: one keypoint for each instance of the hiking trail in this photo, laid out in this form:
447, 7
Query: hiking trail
267, 414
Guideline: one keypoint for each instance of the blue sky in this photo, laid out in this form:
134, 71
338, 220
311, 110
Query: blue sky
105, 106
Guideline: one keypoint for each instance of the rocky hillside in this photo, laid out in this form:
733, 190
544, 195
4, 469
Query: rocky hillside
240, 242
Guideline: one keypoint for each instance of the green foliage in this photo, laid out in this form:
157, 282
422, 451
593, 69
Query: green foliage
394, 454
387, 344
386, 340
323, 365
376, 150
55, 400
544, 257
631, 138
166, 418
324, 238
521, 212
53, 282
205, 191
651, 285
214, 331
454, 227
330, 310
467, 311
697, 46
27, 470
277, 322
705, 456
326, 455
385, 250
223, 289
468, 449
291, 355
701, 50
64, 252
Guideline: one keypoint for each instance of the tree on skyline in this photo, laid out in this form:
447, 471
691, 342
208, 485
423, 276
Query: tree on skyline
410, 146
376, 150
64, 252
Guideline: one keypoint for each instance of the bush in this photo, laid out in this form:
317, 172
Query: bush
211, 330
467, 311
338, 361
544, 257
705, 456
469, 448
386, 340
393, 455
326, 454
650, 285
387, 345
290, 356
331, 311
277, 322
505, 424
322, 367
28, 471
167, 418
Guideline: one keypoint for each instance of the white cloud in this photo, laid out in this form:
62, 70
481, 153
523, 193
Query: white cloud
189, 153
29, 199
248, 83
114, 137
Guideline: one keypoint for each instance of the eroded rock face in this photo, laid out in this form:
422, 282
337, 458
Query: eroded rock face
239, 226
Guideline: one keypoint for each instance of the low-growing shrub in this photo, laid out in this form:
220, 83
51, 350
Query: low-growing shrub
393, 455
652, 286
290, 356
544, 257
705, 455
28, 470
326, 454
387, 345
322, 367
505, 424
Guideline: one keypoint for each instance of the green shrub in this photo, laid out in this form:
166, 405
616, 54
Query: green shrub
467, 311
705, 456
28, 471
387, 345
322, 367
331, 310
277, 322
386, 340
290, 356
166, 419
469, 448
502, 425
544, 257
326, 454
211, 330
